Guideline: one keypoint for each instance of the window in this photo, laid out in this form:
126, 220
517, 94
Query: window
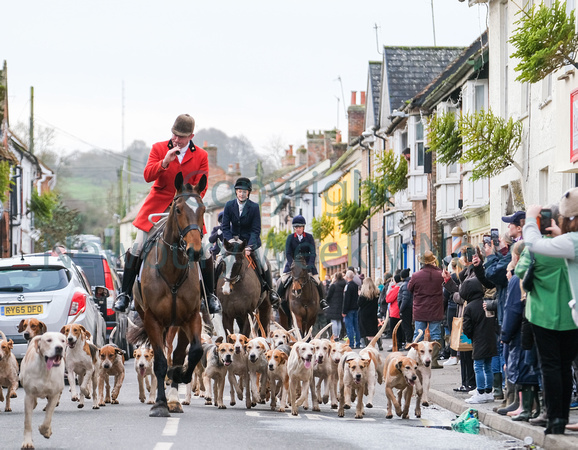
543, 184
419, 144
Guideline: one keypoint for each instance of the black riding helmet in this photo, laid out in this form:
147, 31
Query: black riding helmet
243, 183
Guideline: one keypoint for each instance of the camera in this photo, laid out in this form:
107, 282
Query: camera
545, 220
495, 236
469, 254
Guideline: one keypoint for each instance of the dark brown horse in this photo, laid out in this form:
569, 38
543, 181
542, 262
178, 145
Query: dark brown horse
239, 290
170, 291
303, 298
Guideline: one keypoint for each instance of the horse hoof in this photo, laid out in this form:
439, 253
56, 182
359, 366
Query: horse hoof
159, 410
424, 403
369, 405
175, 407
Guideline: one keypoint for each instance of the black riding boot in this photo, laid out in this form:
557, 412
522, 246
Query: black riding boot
209, 281
322, 303
273, 297
281, 291
131, 268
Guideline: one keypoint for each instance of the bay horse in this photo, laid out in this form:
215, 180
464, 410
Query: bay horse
302, 297
239, 290
170, 293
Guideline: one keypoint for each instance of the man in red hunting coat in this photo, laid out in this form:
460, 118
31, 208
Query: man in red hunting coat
166, 160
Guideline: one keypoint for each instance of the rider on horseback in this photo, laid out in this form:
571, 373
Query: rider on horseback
242, 218
300, 244
166, 159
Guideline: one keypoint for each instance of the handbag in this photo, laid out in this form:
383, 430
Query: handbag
528, 281
458, 340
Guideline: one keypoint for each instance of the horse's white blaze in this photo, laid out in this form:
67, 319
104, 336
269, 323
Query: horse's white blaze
193, 204
226, 288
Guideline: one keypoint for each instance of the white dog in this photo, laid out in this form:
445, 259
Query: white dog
42, 376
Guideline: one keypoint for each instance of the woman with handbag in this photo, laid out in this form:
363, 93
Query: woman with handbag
452, 286
555, 284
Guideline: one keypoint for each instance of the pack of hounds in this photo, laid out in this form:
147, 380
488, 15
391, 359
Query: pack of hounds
286, 369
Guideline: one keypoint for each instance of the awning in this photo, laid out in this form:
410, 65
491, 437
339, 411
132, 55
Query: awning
335, 261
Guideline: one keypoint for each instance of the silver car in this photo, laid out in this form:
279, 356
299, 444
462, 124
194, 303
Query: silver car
49, 288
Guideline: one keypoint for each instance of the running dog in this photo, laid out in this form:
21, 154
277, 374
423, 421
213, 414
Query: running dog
217, 358
42, 376
144, 359
300, 372
81, 360
8, 371
422, 354
111, 365
238, 373
400, 373
278, 377
352, 382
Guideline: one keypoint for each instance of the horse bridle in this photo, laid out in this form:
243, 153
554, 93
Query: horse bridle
239, 276
191, 226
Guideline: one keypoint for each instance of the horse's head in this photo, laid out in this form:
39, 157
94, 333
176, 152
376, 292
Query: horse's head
187, 211
299, 274
233, 258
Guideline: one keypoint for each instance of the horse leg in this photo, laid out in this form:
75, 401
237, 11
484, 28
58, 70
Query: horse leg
181, 349
155, 334
193, 332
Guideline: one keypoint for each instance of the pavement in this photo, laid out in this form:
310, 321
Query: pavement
442, 393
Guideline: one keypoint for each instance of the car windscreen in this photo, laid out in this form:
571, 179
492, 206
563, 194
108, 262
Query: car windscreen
92, 267
33, 279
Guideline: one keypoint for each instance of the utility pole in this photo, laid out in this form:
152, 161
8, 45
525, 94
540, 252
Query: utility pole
120, 214
128, 161
31, 131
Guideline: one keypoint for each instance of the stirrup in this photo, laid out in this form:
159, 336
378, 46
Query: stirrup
122, 302
323, 304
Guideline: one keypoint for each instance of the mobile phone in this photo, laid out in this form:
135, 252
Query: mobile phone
545, 220
469, 254
487, 239
495, 235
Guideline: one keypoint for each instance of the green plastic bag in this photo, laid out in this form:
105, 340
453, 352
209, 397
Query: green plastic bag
468, 422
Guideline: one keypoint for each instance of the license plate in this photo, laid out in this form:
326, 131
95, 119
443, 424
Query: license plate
21, 310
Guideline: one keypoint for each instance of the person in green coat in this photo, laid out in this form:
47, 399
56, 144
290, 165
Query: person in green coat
555, 332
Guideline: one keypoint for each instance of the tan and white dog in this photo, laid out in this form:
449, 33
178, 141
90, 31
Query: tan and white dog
300, 371
375, 370
31, 328
280, 336
216, 360
81, 360
42, 376
238, 373
322, 370
257, 367
8, 371
111, 365
278, 377
338, 350
144, 359
352, 382
422, 354
400, 373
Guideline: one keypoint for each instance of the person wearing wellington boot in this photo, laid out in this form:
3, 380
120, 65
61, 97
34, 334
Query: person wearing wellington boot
519, 369
242, 218
297, 244
166, 159
555, 284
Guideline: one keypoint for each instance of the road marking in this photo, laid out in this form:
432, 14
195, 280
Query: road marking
171, 427
163, 446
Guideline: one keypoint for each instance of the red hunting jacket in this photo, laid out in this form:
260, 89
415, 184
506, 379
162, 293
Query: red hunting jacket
194, 165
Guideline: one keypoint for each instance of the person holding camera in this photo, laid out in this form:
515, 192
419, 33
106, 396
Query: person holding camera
555, 284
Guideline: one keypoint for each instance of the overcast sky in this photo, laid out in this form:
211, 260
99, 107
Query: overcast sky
267, 70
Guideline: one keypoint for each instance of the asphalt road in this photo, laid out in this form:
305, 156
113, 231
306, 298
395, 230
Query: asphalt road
128, 426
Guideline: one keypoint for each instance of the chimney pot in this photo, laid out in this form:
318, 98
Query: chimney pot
205, 144
353, 97
363, 97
